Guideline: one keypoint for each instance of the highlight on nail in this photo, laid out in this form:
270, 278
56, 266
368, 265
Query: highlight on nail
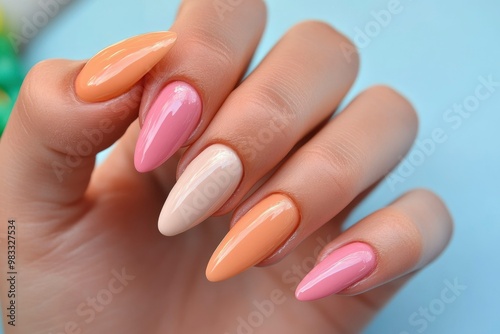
116, 69
206, 184
169, 123
341, 269
256, 236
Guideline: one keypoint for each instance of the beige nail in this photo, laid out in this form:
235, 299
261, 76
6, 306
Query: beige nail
206, 184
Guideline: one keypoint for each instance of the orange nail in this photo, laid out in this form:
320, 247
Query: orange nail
114, 70
254, 237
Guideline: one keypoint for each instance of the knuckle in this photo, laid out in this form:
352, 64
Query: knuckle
341, 162
218, 52
33, 86
43, 102
33, 101
279, 95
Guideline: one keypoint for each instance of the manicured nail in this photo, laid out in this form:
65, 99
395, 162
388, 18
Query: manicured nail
114, 70
254, 237
206, 184
169, 123
338, 271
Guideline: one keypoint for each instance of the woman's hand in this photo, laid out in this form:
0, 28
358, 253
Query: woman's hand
89, 257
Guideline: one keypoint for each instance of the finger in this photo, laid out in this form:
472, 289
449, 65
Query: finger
52, 138
397, 240
285, 98
348, 155
185, 90
54, 133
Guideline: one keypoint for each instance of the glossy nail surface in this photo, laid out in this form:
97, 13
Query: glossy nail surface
114, 70
338, 271
206, 184
261, 231
169, 123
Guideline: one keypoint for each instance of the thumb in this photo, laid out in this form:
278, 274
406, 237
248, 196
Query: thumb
48, 149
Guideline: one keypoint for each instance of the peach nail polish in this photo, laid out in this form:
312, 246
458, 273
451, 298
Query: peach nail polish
114, 70
254, 237
339, 270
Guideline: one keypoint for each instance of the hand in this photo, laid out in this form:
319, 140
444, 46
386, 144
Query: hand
89, 255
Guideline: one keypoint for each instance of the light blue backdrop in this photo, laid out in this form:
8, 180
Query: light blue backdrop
432, 51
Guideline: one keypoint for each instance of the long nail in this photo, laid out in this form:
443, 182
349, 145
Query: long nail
254, 237
114, 70
169, 123
206, 184
338, 271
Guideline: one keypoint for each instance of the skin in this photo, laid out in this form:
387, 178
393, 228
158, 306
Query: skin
75, 231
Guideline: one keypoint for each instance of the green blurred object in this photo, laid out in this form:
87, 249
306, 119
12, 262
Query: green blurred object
11, 75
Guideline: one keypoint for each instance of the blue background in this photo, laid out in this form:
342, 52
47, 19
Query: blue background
433, 52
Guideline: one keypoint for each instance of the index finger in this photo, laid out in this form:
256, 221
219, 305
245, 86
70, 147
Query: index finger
184, 91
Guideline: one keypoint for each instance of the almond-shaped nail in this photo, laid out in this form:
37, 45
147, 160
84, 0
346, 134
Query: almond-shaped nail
261, 231
339, 270
206, 184
114, 70
169, 123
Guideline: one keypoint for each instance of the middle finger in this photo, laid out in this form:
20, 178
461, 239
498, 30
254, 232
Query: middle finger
296, 87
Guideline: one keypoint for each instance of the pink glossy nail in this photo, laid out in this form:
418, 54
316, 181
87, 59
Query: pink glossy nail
169, 123
338, 271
